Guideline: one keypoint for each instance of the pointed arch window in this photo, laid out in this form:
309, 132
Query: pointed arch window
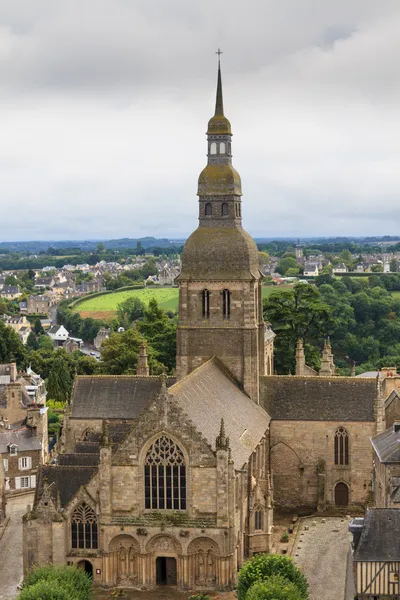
258, 519
84, 532
226, 304
341, 446
208, 209
224, 209
165, 476
205, 304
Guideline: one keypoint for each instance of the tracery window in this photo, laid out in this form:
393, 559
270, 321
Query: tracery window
226, 304
208, 209
225, 209
341, 446
84, 527
205, 304
258, 519
165, 476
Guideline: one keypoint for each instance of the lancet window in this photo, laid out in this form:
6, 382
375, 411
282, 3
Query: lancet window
208, 209
205, 304
258, 519
84, 532
341, 446
226, 304
165, 476
225, 209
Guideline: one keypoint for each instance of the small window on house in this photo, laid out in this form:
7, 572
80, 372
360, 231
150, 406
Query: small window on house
222, 148
225, 209
205, 302
341, 446
5, 464
258, 519
208, 209
25, 462
13, 449
213, 148
226, 304
84, 527
25, 482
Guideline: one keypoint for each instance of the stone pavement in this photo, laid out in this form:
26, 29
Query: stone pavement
322, 554
11, 547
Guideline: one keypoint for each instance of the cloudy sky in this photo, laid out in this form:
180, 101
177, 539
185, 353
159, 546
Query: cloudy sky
104, 106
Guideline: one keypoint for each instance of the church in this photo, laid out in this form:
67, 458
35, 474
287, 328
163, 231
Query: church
173, 480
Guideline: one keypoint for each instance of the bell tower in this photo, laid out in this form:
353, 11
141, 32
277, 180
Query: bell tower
220, 300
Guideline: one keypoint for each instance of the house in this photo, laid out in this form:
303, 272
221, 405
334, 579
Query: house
103, 334
311, 269
89, 287
58, 334
376, 554
10, 292
20, 324
340, 268
386, 486
38, 305
44, 282
20, 452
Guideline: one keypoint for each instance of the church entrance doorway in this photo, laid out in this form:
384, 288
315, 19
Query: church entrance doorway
86, 566
341, 494
165, 570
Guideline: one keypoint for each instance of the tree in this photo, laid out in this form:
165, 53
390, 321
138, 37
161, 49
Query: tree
37, 326
11, 347
31, 274
130, 310
296, 313
263, 566
275, 587
286, 263
120, 352
264, 258
59, 385
393, 265
160, 331
31, 342
100, 248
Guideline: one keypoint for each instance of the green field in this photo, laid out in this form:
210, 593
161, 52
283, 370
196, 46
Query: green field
104, 307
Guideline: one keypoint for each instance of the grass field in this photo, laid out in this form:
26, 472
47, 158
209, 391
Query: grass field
104, 307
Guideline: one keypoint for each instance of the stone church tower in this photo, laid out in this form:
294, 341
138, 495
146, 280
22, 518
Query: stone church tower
220, 302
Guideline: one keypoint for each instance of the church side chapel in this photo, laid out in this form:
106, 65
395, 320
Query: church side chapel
164, 481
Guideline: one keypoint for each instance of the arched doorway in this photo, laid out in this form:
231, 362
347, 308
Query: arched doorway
86, 566
341, 494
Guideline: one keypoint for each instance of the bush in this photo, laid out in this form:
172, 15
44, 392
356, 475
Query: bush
77, 583
261, 567
285, 537
199, 597
274, 588
46, 590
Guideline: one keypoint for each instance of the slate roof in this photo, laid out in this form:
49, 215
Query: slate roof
67, 480
89, 459
387, 446
294, 398
23, 438
113, 396
380, 536
208, 394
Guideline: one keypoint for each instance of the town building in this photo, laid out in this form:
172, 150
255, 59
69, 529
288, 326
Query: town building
10, 292
311, 269
171, 481
58, 334
38, 305
103, 334
20, 324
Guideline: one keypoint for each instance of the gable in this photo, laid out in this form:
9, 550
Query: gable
392, 408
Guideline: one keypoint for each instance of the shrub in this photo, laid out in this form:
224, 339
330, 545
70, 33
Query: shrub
46, 590
285, 537
199, 597
274, 588
262, 566
70, 578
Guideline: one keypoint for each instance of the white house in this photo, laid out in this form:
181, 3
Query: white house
311, 270
340, 268
58, 334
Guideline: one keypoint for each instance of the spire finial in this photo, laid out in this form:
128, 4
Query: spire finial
219, 104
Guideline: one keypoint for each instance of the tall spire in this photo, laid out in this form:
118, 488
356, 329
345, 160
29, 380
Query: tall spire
219, 102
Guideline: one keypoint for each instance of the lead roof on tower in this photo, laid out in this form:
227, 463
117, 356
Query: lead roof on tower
219, 124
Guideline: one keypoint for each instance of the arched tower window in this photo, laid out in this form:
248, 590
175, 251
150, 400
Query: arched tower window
84, 527
222, 148
225, 209
165, 476
341, 446
258, 519
208, 209
226, 304
205, 304
213, 148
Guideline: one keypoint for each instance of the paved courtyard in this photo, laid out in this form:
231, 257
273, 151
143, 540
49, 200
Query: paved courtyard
322, 552
11, 548
162, 594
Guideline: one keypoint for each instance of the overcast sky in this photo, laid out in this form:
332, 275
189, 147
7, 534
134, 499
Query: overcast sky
104, 106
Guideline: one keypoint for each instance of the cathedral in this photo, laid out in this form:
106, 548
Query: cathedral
173, 481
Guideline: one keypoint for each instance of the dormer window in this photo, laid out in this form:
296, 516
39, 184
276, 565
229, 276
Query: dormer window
13, 449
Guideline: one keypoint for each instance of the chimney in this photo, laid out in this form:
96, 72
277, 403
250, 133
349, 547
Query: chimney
300, 358
142, 366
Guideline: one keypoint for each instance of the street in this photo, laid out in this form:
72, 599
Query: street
11, 547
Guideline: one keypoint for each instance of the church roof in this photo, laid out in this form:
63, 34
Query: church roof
113, 396
380, 536
208, 394
387, 445
294, 398
67, 480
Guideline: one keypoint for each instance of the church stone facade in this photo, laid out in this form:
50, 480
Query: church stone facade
164, 481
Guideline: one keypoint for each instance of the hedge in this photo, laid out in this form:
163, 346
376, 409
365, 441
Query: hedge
70, 578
